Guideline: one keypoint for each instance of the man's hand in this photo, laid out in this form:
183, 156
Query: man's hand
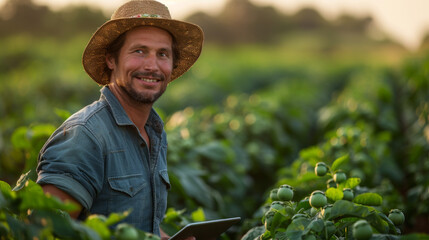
164, 236
190, 238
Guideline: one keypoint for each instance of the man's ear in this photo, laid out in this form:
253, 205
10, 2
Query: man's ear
110, 61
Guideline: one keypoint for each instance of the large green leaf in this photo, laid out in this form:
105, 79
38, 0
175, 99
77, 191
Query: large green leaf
33, 197
17, 227
303, 204
5, 187
6, 190
352, 183
194, 185
370, 199
334, 194
41, 130
63, 114
20, 138
85, 233
98, 225
57, 221
345, 209
253, 233
280, 221
295, 230
316, 226
214, 150
336, 165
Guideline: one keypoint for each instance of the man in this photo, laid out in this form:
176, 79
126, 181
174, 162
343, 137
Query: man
111, 155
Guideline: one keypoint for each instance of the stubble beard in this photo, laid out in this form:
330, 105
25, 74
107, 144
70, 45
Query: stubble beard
142, 97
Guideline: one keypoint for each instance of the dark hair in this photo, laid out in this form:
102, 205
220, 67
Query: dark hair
114, 48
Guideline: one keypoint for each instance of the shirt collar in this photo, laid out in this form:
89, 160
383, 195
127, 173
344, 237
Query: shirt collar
121, 116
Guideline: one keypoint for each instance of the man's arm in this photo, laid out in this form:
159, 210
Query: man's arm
63, 196
164, 235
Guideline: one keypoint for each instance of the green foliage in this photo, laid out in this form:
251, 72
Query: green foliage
26, 212
255, 117
335, 221
25, 16
234, 151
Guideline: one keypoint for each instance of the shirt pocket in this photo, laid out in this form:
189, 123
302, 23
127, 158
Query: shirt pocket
129, 184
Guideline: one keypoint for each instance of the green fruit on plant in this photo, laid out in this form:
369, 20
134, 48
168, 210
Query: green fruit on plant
397, 217
362, 230
318, 199
269, 219
279, 205
125, 231
285, 193
348, 194
273, 195
321, 169
330, 228
326, 211
340, 176
331, 183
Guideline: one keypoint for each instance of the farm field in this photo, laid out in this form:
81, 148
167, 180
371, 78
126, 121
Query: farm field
247, 120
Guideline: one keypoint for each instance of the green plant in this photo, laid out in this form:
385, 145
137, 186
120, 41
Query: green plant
26, 212
285, 193
318, 199
340, 176
125, 231
362, 230
328, 216
321, 169
348, 194
397, 217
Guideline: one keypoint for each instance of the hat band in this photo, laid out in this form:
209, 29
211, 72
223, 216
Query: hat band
146, 15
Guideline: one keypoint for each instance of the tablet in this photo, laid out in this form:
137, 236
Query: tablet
206, 229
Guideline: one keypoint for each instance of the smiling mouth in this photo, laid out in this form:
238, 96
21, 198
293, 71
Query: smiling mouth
148, 80
148, 77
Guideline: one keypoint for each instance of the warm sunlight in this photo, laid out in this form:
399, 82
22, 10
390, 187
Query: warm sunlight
406, 21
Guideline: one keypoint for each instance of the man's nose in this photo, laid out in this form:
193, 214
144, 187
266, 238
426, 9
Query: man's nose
150, 63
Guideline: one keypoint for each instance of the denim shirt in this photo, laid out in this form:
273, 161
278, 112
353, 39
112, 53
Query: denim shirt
99, 157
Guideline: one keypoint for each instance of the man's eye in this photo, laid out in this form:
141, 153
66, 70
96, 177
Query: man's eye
139, 51
163, 54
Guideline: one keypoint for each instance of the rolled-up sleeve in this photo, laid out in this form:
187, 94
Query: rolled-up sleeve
72, 160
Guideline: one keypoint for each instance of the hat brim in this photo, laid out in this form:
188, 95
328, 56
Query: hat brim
189, 40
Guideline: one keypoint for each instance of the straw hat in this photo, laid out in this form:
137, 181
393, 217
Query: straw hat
189, 37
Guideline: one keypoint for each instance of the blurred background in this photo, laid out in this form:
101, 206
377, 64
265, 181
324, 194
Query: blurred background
276, 80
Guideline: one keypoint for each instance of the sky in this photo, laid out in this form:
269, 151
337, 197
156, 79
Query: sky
406, 21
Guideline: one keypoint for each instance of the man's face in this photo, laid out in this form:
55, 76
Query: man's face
144, 64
